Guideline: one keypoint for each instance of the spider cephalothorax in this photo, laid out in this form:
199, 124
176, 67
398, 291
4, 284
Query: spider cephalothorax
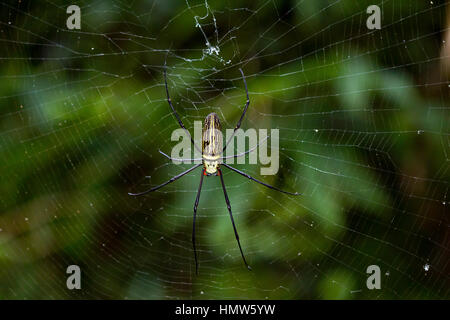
212, 156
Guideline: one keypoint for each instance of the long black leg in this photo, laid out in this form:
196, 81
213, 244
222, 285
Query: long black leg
243, 113
193, 223
231, 216
165, 183
260, 182
176, 114
179, 159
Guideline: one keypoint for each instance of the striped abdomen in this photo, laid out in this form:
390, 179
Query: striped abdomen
212, 143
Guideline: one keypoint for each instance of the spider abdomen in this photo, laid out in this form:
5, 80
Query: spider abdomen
211, 143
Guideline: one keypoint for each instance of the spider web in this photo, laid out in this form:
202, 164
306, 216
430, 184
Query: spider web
364, 136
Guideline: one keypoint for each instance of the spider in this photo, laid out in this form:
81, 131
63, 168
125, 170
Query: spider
211, 161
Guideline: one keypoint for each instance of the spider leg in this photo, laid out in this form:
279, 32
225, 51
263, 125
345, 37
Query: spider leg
260, 182
165, 183
176, 114
179, 159
243, 113
193, 223
231, 216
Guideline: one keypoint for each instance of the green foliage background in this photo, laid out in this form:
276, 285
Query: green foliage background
364, 125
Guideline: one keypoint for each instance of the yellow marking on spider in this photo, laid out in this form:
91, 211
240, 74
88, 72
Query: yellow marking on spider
206, 157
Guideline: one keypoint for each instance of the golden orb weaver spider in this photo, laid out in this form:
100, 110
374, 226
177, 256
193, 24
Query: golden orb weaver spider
211, 161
